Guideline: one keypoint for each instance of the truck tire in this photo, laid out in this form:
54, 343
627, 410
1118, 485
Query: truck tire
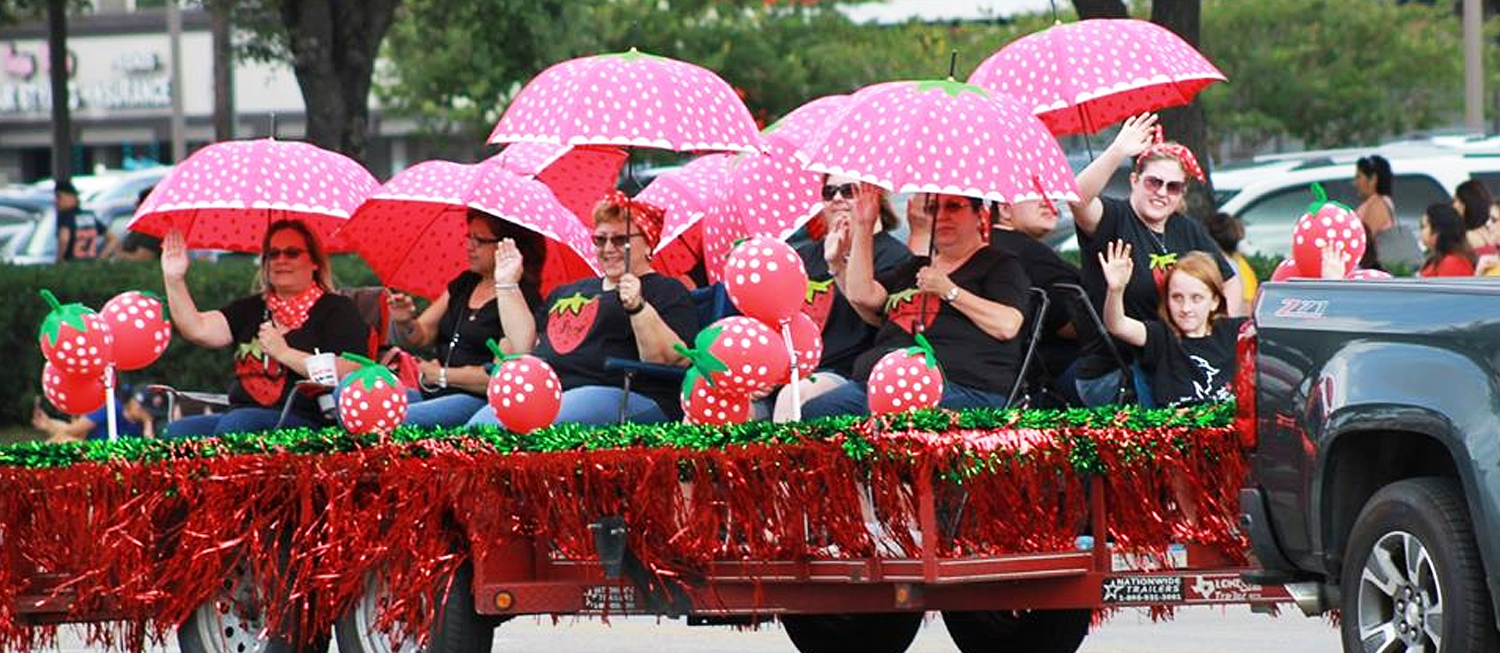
886, 632
1412, 577
1036, 631
458, 629
232, 622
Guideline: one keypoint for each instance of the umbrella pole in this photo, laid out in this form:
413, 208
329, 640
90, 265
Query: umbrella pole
791, 350
109, 403
931, 254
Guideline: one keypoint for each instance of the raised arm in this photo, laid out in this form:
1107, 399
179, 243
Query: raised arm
1134, 137
864, 293
205, 329
517, 321
1117, 266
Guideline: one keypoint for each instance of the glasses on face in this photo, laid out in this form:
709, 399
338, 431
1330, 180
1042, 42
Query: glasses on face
289, 253
845, 191
476, 241
618, 240
1154, 184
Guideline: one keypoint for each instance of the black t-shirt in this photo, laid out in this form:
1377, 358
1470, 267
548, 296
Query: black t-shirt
333, 325
83, 234
1187, 371
1046, 270
1119, 222
474, 326
580, 325
845, 335
967, 355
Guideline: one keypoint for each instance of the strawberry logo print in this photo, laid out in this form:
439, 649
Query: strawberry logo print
911, 310
569, 321
739, 355
524, 391
262, 376
906, 379
703, 403
138, 321
75, 339
1161, 264
818, 301
370, 398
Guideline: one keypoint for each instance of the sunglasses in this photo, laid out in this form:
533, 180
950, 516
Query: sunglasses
845, 191
1154, 184
478, 242
291, 253
618, 240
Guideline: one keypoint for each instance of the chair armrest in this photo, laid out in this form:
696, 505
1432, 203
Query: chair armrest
640, 368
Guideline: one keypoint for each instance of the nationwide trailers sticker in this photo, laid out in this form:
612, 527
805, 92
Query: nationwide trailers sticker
1142, 589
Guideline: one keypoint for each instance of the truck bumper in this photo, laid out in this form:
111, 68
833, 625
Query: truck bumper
1255, 522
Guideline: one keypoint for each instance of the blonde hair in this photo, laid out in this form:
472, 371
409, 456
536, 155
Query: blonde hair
323, 276
1200, 266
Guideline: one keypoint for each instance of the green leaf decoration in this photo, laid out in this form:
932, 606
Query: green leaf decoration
632, 55
702, 359
1163, 261
573, 303
924, 348
1320, 199
369, 372
69, 314
815, 288
951, 87
500, 354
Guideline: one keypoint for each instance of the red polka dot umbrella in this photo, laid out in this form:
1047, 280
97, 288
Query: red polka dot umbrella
412, 229
224, 195
578, 176
942, 137
688, 194
629, 99
1082, 77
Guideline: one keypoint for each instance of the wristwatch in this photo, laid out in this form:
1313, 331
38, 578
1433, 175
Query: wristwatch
951, 295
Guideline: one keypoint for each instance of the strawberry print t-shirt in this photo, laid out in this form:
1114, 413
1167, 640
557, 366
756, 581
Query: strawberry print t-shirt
845, 335
579, 325
333, 325
966, 354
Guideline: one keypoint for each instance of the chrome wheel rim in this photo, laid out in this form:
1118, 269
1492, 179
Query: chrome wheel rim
233, 622
1401, 602
371, 638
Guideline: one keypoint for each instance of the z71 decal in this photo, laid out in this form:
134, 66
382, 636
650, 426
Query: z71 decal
1302, 309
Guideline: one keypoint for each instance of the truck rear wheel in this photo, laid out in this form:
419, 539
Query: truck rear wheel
887, 632
1037, 631
233, 622
1412, 578
458, 629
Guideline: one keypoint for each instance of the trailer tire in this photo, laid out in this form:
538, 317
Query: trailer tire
1412, 549
232, 623
884, 632
1037, 631
458, 628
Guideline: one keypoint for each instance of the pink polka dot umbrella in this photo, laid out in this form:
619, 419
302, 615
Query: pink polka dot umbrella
578, 176
942, 137
412, 229
805, 123
688, 194
771, 193
1082, 77
629, 99
224, 195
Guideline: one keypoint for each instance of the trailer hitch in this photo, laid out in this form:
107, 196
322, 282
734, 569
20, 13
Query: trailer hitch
617, 560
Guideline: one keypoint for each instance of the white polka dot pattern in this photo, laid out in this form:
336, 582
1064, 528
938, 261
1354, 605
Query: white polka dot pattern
1082, 77
806, 122
83, 353
755, 355
706, 404
1331, 223
1370, 275
942, 137
74, 395
224, 195
765, 279
525, 393
630, 99
687, 194
138, 324
374, 407
771, 193
901, 381
578, 176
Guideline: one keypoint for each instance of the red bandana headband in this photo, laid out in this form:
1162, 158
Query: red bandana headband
646, 217
1176, 151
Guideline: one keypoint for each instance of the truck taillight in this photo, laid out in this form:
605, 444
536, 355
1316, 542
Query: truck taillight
1244, 385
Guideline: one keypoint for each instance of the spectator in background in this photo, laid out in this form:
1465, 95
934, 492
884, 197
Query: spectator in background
78, 232
1448, 252
135, 245
136, 415
1374, 181
1473, 201
1228, 231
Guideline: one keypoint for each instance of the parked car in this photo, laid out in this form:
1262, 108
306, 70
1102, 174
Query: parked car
114, 201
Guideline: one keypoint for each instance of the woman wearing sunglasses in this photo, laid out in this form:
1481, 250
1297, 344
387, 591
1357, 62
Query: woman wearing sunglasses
1150, 220
492, 299
630, 313
294, 314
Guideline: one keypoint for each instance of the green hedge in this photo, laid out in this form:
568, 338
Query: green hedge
92, 283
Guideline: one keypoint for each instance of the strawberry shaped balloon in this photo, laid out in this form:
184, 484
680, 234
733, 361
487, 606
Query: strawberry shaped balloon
739, 355
807, 340
75, 339
705, 404
1369, 275
765, 279
906, 379
138, 322
524, 391
1286, 269
1326, 222
72, 394
370, 398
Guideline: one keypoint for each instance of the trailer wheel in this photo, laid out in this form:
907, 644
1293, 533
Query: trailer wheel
1412, 578
888, 632
233, 622
1038, 631
458, 628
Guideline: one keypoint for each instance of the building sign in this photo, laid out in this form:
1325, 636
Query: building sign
105, 73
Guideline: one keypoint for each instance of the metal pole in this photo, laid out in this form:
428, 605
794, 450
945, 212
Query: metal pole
57, 74
1474, 67
179, 126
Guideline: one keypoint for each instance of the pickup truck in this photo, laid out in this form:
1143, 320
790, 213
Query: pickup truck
1372, 414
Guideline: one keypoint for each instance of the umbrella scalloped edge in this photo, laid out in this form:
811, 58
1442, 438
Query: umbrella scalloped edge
1085, 96
936, 188
626, 141
277, 206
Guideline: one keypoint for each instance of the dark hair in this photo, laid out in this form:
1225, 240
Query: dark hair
531, 245
1452, 238
1376, 166
324, 275
888, 218
1477, 201
140, 198
1371, 258
1226, 230
65, 186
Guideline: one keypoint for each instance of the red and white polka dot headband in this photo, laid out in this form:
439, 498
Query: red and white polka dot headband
1176, 151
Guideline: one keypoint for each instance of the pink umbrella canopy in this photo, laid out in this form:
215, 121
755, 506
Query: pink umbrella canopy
1082, 77
771, 194
687, 194
225, 195
943, 137
805, 123
578, 176
411, 230
629, 99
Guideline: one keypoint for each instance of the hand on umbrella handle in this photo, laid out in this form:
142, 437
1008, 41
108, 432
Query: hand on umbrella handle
174, 258
1136, 134
403, 309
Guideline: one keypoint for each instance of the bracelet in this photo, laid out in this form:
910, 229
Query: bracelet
638, 308
506, 286
952, 295
443, 377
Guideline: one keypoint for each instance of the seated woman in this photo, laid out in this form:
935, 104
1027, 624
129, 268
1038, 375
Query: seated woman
630, 313
971, 294
1446, 240
295, 314
494, 298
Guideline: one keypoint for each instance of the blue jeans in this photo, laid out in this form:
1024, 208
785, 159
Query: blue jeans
1100, 391
447, 410
592, 404
239, 420
852, 399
